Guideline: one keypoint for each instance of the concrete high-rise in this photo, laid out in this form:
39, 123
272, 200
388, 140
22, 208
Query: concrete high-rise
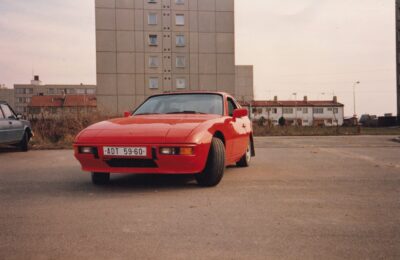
397, 57
146, 47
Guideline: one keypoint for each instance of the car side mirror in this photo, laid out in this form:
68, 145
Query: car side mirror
19, 116
127, 114
239, 113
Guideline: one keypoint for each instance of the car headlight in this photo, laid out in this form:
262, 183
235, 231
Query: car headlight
86, 150
176, 150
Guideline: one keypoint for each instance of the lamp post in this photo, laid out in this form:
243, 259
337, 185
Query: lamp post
354, 96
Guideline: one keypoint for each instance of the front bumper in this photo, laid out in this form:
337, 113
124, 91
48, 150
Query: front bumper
154, 163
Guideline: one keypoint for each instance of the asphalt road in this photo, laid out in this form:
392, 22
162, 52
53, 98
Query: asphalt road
314, 197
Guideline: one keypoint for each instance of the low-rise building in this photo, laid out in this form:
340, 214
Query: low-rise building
61, 105
301, 113
25, 92
7, 95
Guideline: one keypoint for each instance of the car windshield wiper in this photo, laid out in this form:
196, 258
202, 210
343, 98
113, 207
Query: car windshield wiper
186, 112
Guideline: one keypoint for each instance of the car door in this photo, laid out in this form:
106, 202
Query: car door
16, 127
240, 138
4, 128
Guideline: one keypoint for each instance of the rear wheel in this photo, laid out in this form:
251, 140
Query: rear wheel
246, 158
100, 178
215, 166
24, 144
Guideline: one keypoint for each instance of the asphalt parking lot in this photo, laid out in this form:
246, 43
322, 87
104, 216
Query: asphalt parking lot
303, 197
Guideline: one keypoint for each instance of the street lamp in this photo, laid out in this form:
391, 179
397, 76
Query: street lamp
354, 96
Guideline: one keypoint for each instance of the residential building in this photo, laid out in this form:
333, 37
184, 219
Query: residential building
7, 95
398, 57
25, 92
61, 105
301, 113
147, 47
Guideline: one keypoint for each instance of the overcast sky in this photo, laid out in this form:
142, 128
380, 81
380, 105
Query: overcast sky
310, 47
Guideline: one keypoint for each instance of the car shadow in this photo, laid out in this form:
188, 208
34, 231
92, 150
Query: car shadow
9, 149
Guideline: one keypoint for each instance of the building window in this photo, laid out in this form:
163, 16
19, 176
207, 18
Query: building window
299, 109
180, 61
90, 91
152, 1
180, 19
180, 2
153, 83
69, 91
80, 91
21, 100
180, 40
20, 91
274, 110
180, 83
336, 110
29, 91
152, 19
305, 110
28, 100
288, 110
153, 39
318, 110
153, 62
329, 109
51, 91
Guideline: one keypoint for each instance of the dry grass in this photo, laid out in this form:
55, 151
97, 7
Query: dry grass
59, 133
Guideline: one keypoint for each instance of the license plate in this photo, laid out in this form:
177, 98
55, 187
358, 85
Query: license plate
125, 151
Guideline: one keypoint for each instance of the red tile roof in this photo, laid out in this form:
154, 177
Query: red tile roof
291, 103
67, 101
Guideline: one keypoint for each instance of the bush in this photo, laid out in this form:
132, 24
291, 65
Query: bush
282, 121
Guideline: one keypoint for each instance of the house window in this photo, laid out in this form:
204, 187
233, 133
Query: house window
180, 2
180, 83
152, 1
153, 83
318, 110
274, 110
153, 62
180, 40
69, 91
299, 109
90, 91
336, 110
259, 110
152, 19
180, 61
305, 110
288, 110
20, 91
329, 109
180, 19
153, 39
80, 91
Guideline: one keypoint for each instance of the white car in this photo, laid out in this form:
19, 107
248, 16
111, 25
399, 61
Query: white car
14, 130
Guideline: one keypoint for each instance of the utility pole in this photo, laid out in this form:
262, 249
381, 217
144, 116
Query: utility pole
354, 97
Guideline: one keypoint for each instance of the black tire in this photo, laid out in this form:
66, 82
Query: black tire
100, 178
215, 166
246, 158
24, 144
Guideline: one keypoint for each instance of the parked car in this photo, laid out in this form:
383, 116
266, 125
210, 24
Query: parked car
14, 130
197, 133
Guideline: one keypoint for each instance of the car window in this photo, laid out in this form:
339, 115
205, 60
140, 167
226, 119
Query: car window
1, 114
231, 106
182, 104
7, 111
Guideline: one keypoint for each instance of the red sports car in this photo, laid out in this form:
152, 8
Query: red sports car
197, 133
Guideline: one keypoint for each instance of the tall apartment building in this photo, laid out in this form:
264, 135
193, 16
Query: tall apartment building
7, 95
398, 57
146, 47
23, 93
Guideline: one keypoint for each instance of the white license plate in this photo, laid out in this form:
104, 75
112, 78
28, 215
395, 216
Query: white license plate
125, 151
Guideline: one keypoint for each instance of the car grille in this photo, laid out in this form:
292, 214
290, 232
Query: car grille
132, 163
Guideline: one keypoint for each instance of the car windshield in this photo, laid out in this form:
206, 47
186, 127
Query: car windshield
182, 104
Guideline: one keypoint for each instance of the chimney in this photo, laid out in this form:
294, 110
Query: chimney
334, 99
305, 98
36, 77
276, 98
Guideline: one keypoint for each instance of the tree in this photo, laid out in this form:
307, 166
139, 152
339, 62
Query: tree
282, 121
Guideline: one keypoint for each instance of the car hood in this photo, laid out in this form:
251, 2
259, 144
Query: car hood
149, 129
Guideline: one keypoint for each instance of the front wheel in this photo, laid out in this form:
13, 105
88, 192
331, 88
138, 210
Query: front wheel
246, 158
24, 144
100, 178
215, 165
